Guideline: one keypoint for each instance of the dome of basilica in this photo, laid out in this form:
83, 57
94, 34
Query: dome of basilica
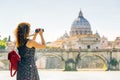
81, 22
80, 26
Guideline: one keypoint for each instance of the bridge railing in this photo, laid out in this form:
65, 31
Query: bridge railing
68, 50
77, 50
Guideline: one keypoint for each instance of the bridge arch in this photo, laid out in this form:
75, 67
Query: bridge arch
50, 61
2, 65
100, 56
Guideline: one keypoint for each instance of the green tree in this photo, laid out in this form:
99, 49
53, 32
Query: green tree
5, 39
3, 43
114, 62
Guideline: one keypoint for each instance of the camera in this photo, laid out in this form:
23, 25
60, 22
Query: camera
38, 29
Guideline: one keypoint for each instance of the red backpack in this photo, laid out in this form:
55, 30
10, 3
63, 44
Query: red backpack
13, 58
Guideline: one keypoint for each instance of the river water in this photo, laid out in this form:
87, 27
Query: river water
61, 75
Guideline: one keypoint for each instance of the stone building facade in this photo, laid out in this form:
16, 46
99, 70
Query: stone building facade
81, 37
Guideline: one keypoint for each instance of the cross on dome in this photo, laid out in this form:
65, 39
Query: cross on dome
80, 14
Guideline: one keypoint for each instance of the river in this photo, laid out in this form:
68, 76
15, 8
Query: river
61, 75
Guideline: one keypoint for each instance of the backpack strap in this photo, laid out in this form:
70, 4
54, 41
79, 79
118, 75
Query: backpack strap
12, 74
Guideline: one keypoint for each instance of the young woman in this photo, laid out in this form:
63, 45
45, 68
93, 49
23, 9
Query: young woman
26, 48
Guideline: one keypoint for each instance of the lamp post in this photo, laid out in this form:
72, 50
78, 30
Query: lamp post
110, 59
111, 55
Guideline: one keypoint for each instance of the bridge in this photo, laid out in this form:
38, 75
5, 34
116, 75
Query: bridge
72, 60
77, 59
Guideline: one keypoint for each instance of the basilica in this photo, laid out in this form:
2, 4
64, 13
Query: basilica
82, 37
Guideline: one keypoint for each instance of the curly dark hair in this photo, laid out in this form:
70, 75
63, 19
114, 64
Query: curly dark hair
21, 33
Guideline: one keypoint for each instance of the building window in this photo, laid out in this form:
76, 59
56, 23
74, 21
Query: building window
88, 46
96, 47
103, 42
79, 48
76, 33
96, 38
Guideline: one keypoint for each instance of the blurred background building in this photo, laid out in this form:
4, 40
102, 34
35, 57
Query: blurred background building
81, 36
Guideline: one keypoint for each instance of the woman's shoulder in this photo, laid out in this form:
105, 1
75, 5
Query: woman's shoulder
29, 43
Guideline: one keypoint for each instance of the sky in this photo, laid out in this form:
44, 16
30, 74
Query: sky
57, 16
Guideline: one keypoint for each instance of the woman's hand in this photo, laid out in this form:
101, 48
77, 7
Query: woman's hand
41, 32
39, 45
34, 37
